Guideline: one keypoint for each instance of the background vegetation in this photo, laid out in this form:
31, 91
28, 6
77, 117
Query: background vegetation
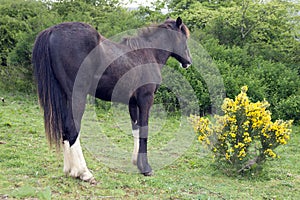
254, 43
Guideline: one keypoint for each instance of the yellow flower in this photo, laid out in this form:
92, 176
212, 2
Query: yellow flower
266, 135
233, 135
227, 156
239, 145
282, 141
246, 125
230, 150
201, 138
245, 88
233, 128
242, 153
229, 106
246, 134
247, 139
270, 153
207, 141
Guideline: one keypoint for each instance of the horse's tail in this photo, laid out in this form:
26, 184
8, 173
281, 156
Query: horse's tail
51, 96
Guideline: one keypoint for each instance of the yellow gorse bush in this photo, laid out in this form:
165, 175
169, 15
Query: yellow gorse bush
245, 134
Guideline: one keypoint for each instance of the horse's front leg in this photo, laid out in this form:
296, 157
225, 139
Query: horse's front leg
144, 104
133, 111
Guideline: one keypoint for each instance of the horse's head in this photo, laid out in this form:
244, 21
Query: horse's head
180, 35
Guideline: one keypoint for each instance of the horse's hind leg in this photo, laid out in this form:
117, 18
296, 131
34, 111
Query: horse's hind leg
74, 162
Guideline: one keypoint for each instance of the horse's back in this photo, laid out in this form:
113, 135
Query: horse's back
74, 33
70, 44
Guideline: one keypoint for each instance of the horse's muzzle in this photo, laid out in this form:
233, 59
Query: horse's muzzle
185, 66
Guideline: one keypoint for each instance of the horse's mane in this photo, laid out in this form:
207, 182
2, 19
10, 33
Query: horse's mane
145, 33
170, 23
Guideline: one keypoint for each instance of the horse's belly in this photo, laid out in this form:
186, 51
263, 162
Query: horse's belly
108, 92
114, 85
103, 94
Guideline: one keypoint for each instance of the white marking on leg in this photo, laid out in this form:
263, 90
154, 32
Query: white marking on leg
67, 157
136, 141
74, 162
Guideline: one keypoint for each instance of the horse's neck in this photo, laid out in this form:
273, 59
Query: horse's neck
157, 45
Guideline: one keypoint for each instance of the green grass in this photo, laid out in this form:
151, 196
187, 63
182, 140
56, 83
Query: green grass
30, 170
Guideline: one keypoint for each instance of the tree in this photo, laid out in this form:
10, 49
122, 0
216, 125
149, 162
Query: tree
22, 20
253, 42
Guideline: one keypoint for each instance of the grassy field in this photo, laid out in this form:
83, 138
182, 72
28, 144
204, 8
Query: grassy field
30, 170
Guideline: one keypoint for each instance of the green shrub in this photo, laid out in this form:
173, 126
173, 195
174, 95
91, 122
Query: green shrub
289, 108
245, 136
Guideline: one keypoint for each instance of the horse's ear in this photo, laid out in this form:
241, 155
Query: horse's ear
178, 22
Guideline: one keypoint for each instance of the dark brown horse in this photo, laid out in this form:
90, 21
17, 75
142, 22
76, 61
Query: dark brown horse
72, 60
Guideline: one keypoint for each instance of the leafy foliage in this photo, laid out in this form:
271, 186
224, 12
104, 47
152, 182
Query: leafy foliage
23, 20
252, 43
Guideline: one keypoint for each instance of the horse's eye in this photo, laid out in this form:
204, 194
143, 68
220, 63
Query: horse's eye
170, 26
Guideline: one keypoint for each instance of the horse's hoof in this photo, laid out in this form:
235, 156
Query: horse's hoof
92, 181
149, 173
87, 176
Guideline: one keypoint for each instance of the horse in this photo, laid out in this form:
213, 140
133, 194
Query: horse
72, 60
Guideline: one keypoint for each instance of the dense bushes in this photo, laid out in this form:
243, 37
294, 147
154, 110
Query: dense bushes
251, 43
